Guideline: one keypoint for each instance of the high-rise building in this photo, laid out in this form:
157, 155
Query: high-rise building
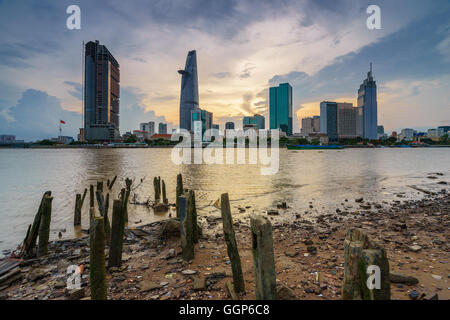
280, 99
257, 121
101, 93
189, 90
310, 125
162, 128
407, 134
346, 121
148, 127
204, 116
328, 120
229, 126
367, 100
380, 131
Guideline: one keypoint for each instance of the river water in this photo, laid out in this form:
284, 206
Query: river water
324, 178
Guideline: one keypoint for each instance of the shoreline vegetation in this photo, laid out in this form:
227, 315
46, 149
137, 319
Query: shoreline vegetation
132, 142
200, 257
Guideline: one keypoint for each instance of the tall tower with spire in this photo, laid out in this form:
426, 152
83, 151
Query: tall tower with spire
368, 108
189, 90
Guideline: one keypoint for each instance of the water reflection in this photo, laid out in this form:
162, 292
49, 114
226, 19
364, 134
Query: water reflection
324, 178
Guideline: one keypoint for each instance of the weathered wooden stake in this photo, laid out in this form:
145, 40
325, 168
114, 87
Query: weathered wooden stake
194, 216
91, 196
164, 196
263, 258
230, 238
79, 200
97, 277
100, 186
179, 191
44, 227
186, 234
128, 183
157, 189
29, 243
359, 254
117, 232
106, 219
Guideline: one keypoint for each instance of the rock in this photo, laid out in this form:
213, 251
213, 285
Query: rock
359, 200
397, 277
435, 276
285, 293
291, 254
171, 254
199, 283
312, 249
273, 212
60, 284
414, 295
188, 272
430, 296
415, 248
171, 228
76, 294
146, 286
36, 275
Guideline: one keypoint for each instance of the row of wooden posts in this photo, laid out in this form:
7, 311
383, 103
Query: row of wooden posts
359, 251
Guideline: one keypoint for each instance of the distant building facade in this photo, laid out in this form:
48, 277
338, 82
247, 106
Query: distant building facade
367, 101
406, 134
346, 121
328, 120
280, 105
229, 126
310, 125
148, 127
257, 122
101, 94
205, 117
162, 128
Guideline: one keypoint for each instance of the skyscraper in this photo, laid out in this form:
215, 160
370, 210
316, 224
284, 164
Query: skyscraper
148, 127
367, 100
257, 121
281, 108
346, 121
162, 128
189, 90
101, 93
328, 120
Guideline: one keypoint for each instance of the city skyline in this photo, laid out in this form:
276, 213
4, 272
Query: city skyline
322, 58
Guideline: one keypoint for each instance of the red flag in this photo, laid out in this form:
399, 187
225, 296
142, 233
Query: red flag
62, 121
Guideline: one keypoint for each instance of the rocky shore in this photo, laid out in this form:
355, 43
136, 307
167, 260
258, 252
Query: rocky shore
309, 256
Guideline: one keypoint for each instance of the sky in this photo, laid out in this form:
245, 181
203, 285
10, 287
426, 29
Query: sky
323, 48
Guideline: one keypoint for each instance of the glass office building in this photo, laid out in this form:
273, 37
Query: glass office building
328, 120
280, 99
257, 121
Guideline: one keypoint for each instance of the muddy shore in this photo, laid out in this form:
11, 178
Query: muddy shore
308, 256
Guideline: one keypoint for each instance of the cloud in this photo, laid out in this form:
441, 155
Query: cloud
36, 116
76, 90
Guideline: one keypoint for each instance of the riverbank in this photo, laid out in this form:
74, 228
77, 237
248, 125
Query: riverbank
308, 255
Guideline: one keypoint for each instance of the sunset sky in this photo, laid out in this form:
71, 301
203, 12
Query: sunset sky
321, 47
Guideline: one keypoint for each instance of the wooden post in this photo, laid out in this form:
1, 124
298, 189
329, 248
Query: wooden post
374, 260
91, 196
117, 231
164, 196
263, 258
194, 216
44, 227
97, 277
186, 234
100, 186
179, 191
128, 183
157, 189
230, 238
106, 220
359, 254
29, 243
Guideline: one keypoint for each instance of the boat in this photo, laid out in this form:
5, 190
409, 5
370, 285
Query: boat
313, 147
